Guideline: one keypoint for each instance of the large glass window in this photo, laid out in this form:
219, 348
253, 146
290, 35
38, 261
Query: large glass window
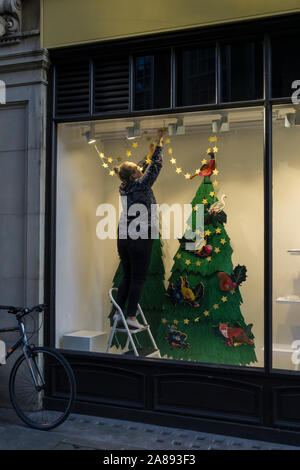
205, 302
286, 240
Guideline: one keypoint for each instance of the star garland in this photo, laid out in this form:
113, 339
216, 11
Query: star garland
187, 175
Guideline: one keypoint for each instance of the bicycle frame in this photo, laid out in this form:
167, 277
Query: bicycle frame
23, 341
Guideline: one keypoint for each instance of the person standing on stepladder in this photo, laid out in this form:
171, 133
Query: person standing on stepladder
135, 253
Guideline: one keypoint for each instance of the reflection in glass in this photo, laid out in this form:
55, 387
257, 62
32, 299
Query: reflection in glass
196, 76
242, 71
152, 72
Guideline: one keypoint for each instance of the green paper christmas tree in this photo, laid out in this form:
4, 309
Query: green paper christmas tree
151, 300
202, 305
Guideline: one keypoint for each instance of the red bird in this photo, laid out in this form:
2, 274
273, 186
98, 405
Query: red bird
208, 168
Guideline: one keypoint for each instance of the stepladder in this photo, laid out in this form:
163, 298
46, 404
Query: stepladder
132, 346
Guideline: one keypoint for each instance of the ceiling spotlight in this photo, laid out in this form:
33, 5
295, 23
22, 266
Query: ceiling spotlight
176, 128
90, 135
289, 119
133, 131
220, 125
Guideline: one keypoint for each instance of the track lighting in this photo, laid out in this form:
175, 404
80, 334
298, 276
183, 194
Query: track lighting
220, 125
176, 128
133, 131
90, 135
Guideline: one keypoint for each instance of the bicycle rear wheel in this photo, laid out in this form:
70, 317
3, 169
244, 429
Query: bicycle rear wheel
29, 399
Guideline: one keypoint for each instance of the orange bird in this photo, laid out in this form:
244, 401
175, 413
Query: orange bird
208, 168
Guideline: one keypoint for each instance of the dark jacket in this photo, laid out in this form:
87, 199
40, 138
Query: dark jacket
140, 191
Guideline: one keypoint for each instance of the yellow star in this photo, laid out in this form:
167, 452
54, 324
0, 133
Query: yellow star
216, 306
135, 145
196, 319
148, 160
170, 150
197, 171
128, 153
168, 140
206, 313
215, 149
224, 299
173, 160
101, 155
208, 150
203, 161
213, 139
204, 201
186, 321
109, 159
217, 250
215, 172
178, 170
105, 165
187, 262
178, 256
187, 176
218, 230
232, 291
208, 258
212, 193
175, 322
215, 183
223, 241
164, 320
207, 232
198, 263
195, 208
111, 173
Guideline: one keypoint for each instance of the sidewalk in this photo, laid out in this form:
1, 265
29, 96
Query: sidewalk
81, 432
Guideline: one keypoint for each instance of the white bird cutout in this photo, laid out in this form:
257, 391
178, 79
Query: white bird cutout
218, 206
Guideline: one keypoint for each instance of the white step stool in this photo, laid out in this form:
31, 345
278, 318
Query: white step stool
125, 329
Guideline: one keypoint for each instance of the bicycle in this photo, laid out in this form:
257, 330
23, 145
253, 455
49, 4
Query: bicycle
30, 377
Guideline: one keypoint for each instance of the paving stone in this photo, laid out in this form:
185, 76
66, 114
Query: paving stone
81, 432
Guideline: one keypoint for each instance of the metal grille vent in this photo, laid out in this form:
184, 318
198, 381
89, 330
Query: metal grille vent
72, 88
111, 84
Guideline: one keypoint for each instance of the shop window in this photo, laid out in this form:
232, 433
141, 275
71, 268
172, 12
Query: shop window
203, 303
286, 242
152, 81
285, 65
196, 75
241, 71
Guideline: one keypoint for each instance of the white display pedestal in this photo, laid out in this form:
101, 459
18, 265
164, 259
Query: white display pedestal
86, 340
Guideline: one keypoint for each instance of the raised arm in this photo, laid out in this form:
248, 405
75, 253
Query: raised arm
154, 167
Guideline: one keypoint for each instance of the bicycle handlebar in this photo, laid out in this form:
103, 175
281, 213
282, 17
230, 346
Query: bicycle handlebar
25, 310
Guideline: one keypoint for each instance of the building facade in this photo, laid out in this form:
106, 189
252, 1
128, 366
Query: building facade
222, 84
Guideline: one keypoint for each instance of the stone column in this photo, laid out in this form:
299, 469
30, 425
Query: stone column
23, 69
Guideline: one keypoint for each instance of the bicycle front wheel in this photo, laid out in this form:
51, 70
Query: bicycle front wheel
30, 384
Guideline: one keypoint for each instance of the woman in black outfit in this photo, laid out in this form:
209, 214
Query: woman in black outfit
135, 253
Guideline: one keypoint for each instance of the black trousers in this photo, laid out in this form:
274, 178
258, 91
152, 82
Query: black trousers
135, 256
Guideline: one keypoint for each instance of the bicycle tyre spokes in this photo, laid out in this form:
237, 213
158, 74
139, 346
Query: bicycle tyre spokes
30, 383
